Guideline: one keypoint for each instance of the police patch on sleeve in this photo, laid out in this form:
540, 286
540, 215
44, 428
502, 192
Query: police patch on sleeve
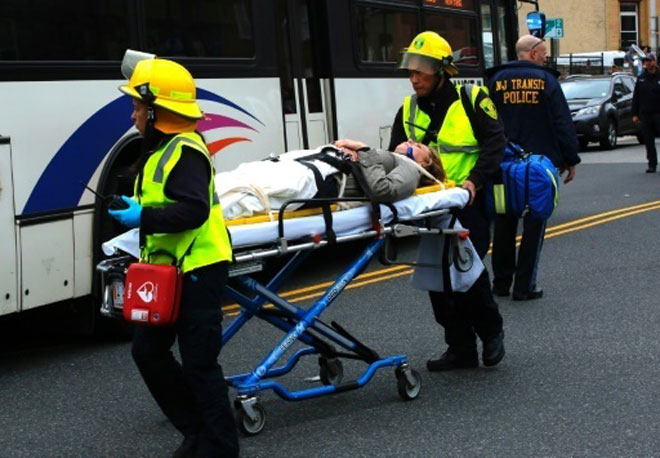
489, 108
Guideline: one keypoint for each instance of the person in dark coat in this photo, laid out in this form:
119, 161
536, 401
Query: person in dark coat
646, 108
536, 116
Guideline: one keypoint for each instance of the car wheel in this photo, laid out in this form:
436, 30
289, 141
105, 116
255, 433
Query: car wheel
609, 140
640, 139
583, 143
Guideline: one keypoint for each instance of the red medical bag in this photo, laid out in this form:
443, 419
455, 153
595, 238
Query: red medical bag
152, 294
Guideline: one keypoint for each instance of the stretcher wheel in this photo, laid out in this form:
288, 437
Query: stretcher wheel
408, 391
463, 264
331, 370
249, 426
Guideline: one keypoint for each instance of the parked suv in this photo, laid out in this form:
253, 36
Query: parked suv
601, 107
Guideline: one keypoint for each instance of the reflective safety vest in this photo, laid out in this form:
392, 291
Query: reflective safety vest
456, 143
198, 247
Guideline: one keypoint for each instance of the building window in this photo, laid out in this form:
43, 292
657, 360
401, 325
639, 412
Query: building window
629, 25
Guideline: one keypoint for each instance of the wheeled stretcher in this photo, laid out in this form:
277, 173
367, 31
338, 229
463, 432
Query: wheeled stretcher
253, 244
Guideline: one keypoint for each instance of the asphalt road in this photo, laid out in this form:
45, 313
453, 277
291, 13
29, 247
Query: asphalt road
581, 376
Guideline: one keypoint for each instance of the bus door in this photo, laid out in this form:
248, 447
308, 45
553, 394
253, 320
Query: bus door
302, 61
8, 267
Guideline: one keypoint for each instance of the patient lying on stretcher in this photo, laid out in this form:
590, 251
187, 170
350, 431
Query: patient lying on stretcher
392, 176
261, 187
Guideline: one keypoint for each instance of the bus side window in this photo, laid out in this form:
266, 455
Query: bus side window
383, 33
220, 29
58, 31
461, 32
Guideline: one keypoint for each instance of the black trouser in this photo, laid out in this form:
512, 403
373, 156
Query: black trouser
473, 312
193, 394
650, 129
504, 253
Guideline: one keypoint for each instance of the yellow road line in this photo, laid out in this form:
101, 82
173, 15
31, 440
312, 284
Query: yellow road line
555, 231
399, 271
356, 284
603, 221
597, 216
602, 215
327, 284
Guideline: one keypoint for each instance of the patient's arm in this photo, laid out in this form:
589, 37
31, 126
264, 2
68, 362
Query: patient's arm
389, 177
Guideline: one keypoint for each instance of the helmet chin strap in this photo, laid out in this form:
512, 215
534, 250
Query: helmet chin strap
149, 130
148, 97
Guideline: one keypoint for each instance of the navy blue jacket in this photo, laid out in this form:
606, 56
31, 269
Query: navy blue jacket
646, 97
533, 108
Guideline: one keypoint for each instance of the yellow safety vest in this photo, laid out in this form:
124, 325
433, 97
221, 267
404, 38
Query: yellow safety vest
199, 247
456, 144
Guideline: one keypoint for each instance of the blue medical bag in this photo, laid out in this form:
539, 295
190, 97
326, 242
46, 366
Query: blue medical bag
529, 184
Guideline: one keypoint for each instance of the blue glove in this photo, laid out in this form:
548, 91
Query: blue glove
129, 217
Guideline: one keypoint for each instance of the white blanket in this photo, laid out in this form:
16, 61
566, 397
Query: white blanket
262, 186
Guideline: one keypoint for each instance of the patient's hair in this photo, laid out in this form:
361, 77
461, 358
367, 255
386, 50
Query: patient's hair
435, 168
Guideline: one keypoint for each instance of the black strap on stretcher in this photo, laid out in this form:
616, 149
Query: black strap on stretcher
322, 186
326, 202
346, 167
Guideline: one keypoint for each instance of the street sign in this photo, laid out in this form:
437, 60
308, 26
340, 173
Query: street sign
554, 28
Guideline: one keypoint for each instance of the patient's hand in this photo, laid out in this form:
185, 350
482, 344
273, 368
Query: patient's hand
349, 144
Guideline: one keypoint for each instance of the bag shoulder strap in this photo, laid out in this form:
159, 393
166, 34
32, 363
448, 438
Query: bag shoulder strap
175, 262
432, 130
466, 99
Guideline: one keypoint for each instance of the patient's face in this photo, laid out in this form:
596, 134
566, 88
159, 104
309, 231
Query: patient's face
421, 153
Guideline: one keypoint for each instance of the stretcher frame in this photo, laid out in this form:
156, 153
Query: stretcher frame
304, 325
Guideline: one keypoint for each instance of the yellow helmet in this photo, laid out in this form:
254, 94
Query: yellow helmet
165, 84
429, 53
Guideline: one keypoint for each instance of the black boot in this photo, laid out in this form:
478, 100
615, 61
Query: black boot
493, 350
187, 448
536, 293
452, 359
500, 291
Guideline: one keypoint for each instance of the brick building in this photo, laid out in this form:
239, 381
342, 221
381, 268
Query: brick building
599, 25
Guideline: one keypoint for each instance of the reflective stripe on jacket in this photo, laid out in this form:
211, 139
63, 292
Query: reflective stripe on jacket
205, 245
456, 144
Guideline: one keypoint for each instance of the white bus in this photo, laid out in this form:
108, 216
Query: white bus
272, 75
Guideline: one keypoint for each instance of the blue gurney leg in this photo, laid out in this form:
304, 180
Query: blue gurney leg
251, 415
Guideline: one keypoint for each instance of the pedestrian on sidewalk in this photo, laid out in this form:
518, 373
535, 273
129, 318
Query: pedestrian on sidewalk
646, 108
